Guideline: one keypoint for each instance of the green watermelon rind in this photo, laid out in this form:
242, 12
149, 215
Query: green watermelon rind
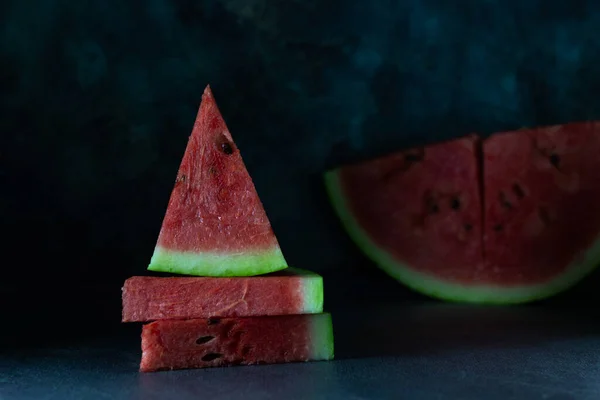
312, 292
322, 344
447, 291
215, 264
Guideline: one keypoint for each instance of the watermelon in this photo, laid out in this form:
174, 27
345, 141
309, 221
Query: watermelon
215, 223
291, 291
509, 219
213, 342
542, 219
417, 213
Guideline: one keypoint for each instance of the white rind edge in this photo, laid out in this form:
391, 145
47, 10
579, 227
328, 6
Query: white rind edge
312, 294
321, 337
217, 264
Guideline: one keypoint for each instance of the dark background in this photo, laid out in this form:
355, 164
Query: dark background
98, 99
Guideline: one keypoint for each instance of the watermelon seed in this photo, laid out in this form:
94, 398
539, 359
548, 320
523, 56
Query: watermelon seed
204, 339
555, 160
455, 203
410, 158
226, 147
504, 201
518, 190
498, 228
544, 215
211, 356
213, 321
430, 204
468, 227
414, 156
224, 144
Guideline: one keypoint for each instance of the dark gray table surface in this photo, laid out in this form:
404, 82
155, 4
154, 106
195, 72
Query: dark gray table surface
383, 352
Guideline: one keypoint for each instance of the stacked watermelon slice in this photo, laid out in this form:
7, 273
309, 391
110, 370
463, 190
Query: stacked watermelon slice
234, 300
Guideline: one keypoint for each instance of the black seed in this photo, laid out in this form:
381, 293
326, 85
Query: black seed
204, 339
410, 158
498, 228
213, 321
226, 148
394, 171
223, 144
518, 190
211, 356
455, 203
555, 160
544, 215
414, 156
468, 227
504, 201
431, 204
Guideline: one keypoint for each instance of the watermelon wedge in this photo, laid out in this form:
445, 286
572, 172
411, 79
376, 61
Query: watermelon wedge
417, 214
202, 343
542, 216
291, 291
215, 223
509, 220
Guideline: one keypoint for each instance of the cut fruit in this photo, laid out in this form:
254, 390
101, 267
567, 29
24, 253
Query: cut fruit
534, 233
215, 223
542, 220
417, 214
291, 291
201, 343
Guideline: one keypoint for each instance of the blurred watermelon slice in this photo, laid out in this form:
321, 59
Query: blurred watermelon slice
512, 219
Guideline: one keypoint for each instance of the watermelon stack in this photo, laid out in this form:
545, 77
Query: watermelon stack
234, 300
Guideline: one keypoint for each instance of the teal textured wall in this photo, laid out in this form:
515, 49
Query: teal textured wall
97, 99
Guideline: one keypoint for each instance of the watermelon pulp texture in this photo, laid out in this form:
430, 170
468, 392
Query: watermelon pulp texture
417, 213
215, 223
201, 343
533, 232
291, 291
541, 205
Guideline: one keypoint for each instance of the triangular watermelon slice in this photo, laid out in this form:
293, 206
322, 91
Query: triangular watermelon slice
215, 223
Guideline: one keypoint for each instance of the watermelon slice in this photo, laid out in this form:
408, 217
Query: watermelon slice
201, 343
291, 291
215, 223
510, 222
417, 213
542, 222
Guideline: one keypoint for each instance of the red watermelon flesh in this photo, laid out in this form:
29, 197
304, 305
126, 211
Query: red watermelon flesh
420, 207
532, 234
201, 343
215, 223
291, 291
541, 193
